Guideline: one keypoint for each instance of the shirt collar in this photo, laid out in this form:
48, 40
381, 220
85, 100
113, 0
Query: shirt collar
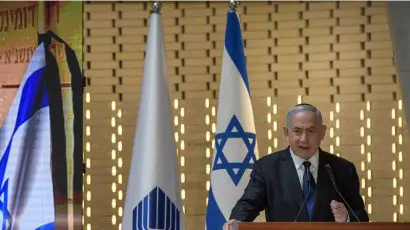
298, 161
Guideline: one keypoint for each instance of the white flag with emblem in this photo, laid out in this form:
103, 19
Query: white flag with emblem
153, 190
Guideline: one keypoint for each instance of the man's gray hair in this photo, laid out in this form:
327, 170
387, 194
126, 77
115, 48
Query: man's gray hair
302, 107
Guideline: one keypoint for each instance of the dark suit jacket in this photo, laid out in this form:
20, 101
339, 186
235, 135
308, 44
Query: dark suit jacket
274, 187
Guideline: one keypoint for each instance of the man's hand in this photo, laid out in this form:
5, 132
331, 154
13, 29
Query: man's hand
339, 211
230, 224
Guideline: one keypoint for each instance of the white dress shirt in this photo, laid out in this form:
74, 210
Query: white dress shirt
300, 168
314, 167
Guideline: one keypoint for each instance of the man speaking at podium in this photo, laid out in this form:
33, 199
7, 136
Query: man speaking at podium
302, 182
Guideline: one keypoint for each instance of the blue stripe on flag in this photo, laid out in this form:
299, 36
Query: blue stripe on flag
214, 217
161, 209
234, 45
49, 226
173, 217
4, 203
168, 214
134, 220
33, 97
177, 220
139, 216
153, 208
145, 214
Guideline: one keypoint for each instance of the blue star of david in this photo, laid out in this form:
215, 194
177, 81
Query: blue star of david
234, 130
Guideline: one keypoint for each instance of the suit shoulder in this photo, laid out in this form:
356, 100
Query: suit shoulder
271, 158
337, 160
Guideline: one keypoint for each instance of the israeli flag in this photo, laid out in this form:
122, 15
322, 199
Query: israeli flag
235, 138
153, 190
26, 188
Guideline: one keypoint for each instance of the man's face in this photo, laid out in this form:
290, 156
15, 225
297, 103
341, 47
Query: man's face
304, 134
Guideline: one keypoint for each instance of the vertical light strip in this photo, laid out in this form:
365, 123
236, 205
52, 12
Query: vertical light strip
394, 164
120, 194
397, 163
400, 158
87, 187
182, 132
363, 158
210, 139
365, 164
365, 133
269, 121
300, 99
208, 151
332, 131
275, 127
113, 123
180, 143
337, 128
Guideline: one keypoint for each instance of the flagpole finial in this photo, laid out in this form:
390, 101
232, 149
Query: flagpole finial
233, 5
156, 7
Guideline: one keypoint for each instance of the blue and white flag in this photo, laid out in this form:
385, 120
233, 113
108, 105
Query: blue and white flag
153, 190
26, 187
235, 138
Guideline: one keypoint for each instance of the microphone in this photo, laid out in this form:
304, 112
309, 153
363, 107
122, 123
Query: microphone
332, 179
304, 201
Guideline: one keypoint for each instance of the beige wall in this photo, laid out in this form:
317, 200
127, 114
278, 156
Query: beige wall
337, 56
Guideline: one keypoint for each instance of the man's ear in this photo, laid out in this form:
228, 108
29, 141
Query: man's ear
324, 127
286, 131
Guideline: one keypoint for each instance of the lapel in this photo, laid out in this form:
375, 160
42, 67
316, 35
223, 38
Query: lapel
292, 184
322, 187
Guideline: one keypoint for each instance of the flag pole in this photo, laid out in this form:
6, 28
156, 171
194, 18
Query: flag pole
41, 19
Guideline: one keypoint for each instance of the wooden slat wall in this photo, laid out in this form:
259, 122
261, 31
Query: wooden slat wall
337, 56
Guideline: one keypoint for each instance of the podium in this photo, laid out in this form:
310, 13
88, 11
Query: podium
320, 226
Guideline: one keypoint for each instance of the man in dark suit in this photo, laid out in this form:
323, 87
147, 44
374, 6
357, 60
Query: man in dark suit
281, 181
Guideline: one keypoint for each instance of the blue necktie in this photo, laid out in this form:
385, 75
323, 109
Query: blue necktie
309, 181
